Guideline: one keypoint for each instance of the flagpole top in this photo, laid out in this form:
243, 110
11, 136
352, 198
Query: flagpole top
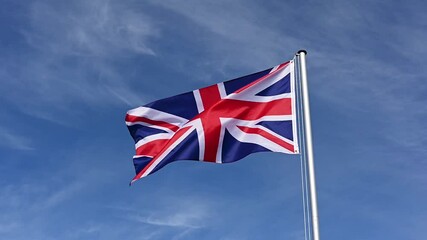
302, 51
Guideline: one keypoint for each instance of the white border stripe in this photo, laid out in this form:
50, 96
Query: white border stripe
275, 68
221, 89
249, 94
199, 101
151, 138
138, 156
294, 112
149, 125
197, 124
231, 123
255, 139
220, 145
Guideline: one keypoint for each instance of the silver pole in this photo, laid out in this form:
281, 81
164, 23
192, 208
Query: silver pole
309, 144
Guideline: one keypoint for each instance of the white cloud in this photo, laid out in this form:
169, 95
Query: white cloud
183, 218
60, 195
27, 205
185, 213
14, 141
241, 34
89, 28
70, 55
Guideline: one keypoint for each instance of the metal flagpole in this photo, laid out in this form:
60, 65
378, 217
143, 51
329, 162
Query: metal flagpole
308, 143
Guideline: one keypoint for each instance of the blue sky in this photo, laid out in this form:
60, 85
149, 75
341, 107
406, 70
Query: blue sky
70, 71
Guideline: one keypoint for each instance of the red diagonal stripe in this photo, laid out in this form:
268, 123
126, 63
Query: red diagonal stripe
175, 137
283, 65
268, 136
151, 148
131, 118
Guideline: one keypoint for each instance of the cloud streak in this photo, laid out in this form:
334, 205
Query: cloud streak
95, 29
14, 141
236, 37
70, 57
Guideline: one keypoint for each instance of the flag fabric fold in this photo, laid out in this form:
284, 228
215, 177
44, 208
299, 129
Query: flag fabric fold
221, 123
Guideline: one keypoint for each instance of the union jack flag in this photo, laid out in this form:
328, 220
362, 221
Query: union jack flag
221, 123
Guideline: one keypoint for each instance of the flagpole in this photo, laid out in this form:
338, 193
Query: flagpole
308, 143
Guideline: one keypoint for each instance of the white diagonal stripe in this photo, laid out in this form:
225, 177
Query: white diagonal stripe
157, 115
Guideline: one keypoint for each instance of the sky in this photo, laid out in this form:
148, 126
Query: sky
71, 69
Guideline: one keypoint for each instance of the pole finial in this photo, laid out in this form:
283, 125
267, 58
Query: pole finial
302, 50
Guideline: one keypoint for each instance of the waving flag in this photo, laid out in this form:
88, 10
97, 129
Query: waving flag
221, 123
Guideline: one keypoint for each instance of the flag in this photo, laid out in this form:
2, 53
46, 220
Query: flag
221, 123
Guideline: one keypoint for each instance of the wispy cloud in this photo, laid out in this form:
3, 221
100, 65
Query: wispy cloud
183, 218
89, 28
36, 197
18, 202
166, 215
60, 195
236, 37
14, 141
175, 221
357, 72
71, 55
